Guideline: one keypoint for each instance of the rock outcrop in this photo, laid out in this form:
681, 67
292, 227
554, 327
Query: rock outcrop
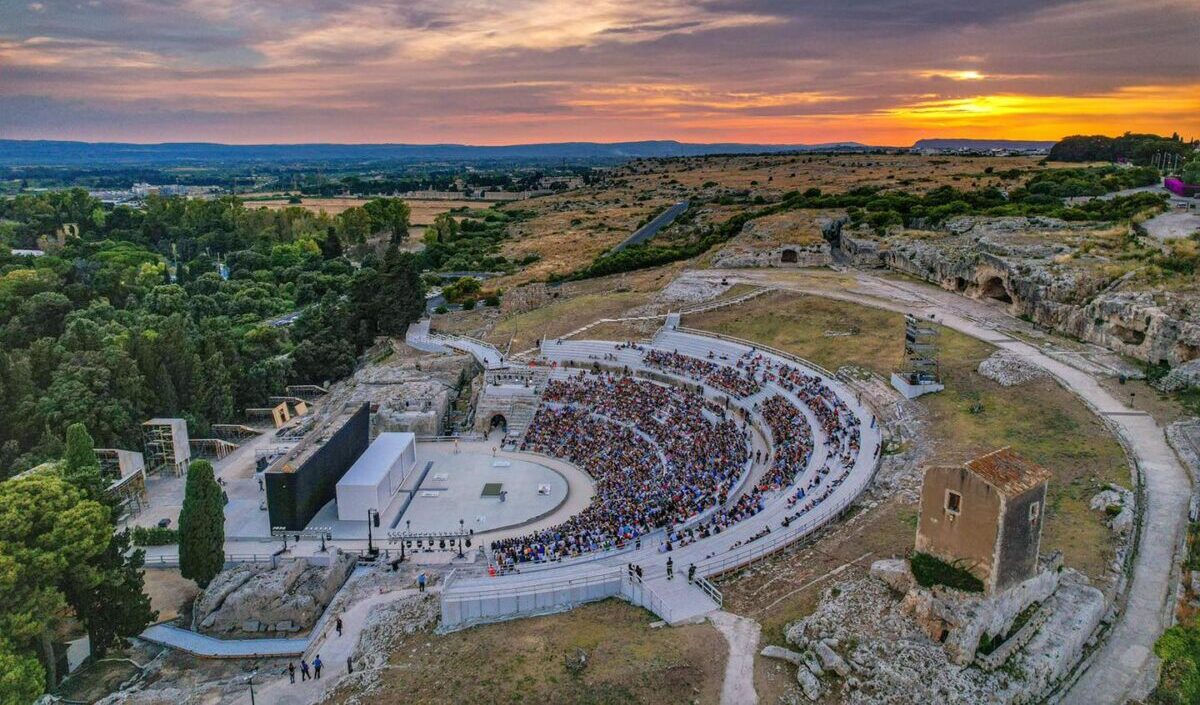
258, 599
872, 649
409, 391
789, 239
1009, 369
1041, 269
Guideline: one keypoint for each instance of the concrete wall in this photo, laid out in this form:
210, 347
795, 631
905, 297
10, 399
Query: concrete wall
971, 535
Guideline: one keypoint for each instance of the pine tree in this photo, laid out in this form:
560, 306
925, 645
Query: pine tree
107, 592
109, 597
201, 525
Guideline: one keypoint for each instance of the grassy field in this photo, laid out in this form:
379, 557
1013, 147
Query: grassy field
972, 416
582, 303
530, 661
782, 173
570, 229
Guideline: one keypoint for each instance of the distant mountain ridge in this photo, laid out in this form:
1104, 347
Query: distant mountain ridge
53, 152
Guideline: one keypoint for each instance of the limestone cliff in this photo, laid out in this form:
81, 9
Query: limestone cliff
1041, 269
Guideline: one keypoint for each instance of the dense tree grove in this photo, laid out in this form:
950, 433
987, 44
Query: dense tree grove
1135, 148
166, 311
60, 560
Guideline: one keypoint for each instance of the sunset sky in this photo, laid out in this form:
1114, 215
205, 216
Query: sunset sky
502, 72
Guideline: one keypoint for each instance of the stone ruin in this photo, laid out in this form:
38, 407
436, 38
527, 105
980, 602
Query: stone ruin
885, 640
261, 599
1009, 369
409, 391
789, 239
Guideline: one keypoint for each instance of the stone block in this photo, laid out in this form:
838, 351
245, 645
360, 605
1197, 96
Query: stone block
783, 654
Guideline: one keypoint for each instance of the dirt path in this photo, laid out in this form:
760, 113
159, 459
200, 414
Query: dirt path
1125, 663
742, 635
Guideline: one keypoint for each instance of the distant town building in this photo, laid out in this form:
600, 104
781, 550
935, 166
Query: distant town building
985, 515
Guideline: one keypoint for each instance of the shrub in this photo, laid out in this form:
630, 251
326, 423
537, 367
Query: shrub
492, 300
154, 536
931, 570
441, 309
1179, 649
468, 305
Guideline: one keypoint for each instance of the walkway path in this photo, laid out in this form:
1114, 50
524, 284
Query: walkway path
1127, 654
333, 649
419, 336
742, 635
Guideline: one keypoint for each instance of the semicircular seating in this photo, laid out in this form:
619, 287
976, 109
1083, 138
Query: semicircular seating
665, 456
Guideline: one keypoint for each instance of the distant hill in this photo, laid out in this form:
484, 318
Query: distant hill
956, 145
49, 152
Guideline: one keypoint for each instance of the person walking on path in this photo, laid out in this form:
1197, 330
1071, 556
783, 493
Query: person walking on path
292, 671
691, 572
421, 582
670, 569
638, 569
303, 670
338, 624
349, 665
630, 572
317, 667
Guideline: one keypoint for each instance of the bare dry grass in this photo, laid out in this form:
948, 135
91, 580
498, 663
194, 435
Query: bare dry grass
423, 210
570, 229
783, 173
169, 591
526, 661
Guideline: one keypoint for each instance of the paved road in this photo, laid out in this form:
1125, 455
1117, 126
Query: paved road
1126, 659
651, 229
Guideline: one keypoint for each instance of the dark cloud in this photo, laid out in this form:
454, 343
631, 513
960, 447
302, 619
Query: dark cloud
520, 70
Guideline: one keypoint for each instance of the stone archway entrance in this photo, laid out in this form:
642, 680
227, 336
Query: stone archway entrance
498, 422
789, 257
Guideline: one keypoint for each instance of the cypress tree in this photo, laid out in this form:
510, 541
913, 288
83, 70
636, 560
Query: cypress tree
80, 465
201, 525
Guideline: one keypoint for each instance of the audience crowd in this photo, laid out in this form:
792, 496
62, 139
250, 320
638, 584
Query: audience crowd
658, 455
661, 455
727, 379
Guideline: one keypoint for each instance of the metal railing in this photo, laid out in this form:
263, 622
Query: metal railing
164, 561
640, 593
805, 525
710, 590
518, 587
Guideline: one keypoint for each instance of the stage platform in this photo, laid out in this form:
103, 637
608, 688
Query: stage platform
488, 493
